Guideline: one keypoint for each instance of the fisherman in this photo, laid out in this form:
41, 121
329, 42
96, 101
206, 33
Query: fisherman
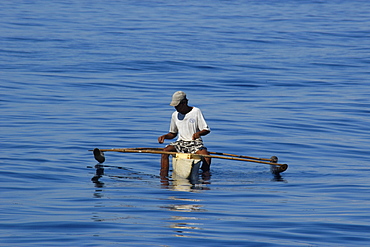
189, 124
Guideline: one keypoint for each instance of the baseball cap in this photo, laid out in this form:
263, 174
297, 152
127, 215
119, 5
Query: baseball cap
177, 97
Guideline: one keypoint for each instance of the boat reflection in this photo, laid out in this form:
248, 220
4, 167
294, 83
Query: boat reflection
185, 207
188, 224
278, 178
184, 225
181, 212
178, 183
98, 174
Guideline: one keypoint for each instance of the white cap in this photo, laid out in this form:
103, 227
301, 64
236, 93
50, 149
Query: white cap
177, 97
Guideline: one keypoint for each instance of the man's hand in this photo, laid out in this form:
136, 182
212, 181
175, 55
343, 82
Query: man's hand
161, 139
200, 133
196, 136
166, 136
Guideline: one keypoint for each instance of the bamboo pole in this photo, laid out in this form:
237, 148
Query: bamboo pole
218, 153
241, 156
158, 151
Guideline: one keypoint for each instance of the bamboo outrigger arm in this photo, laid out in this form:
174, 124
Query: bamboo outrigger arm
276, 168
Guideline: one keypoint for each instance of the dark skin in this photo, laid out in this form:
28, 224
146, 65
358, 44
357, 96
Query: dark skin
182, 108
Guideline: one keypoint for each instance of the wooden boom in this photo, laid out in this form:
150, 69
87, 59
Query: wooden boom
99, 156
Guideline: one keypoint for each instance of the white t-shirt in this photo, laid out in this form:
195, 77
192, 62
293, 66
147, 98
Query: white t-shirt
186, 125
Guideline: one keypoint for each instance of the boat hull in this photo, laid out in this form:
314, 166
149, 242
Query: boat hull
186, 165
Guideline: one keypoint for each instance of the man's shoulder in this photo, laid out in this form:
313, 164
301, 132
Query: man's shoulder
195, 108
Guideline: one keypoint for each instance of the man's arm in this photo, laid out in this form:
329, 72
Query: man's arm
200, 133
169, 135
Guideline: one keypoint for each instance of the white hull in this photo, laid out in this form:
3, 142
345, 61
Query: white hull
186, 165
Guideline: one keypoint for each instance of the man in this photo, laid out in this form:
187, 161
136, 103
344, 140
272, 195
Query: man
188, 123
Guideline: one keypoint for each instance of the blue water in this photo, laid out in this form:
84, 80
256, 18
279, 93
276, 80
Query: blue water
285, 78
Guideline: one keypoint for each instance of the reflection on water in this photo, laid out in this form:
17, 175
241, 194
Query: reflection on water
131, 175
184, 184
278, 178
182, 227
185, 208
183, 211
175, 182
98, 174
182, 223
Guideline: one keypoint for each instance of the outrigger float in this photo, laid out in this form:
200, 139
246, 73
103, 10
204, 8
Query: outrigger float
186, 165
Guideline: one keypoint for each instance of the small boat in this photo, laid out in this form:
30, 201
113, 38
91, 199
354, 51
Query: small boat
186, 165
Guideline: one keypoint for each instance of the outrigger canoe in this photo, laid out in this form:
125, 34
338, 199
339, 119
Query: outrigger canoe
187, 165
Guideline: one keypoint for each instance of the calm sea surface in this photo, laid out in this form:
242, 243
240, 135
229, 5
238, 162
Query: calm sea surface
285, 78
